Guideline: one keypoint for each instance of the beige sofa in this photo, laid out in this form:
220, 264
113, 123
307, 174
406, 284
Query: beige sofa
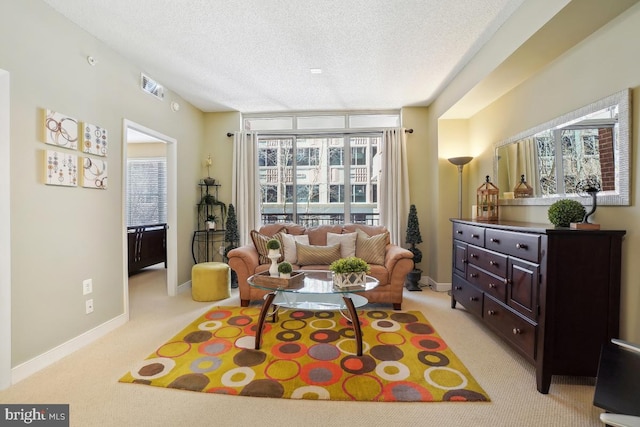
391, 273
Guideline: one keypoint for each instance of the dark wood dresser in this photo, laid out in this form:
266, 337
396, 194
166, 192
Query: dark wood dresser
553, 294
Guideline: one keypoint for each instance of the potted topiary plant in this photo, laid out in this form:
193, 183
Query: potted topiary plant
563, 212
350, 271
285, 269
274, 254
231, 240
413, 238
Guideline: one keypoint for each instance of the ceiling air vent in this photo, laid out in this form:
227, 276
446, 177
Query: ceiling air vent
151, 86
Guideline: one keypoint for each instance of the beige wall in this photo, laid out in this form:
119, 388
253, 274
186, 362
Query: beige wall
60, 236
604, 63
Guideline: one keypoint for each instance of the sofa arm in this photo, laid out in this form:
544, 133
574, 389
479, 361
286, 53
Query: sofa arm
394, 254
243, 261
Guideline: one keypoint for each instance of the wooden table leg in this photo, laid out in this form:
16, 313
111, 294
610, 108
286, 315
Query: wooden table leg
263, 314
355, 322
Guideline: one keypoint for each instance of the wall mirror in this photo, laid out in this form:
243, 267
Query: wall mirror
556, 157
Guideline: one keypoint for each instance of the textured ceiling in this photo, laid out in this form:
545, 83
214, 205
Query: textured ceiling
256, 55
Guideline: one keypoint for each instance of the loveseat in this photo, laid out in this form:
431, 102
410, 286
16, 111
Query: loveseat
313, 248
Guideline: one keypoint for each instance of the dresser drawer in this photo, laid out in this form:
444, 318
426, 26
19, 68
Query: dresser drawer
468, 233
511, 326
467, 295
494, 286
489, 261
521, 245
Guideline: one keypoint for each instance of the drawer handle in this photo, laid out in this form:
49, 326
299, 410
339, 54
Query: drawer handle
516, 331
473, 299
473, 275
458, 288
492, 285
491, 312
492, 240
474, 236
493, 263
458, 231
464, 261
473, 255
521, 246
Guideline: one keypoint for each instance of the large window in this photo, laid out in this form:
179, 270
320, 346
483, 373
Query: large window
146, 191
320, 168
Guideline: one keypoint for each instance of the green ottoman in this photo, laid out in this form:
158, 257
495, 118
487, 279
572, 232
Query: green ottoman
210, 281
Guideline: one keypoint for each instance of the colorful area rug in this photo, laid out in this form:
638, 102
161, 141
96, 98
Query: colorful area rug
311, 355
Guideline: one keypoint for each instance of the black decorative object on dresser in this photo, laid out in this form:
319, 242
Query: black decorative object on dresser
553, 294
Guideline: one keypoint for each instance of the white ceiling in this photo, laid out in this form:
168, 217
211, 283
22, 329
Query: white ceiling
256, 55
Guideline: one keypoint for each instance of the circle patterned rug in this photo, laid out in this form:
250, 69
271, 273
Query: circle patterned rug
311, 355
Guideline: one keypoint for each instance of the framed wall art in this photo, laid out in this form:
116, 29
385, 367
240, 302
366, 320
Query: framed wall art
94, 140
60, 130
94, 173
60, 168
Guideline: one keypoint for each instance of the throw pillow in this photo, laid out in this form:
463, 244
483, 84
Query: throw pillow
371, 249
289, 240
260, 242
347, 243
317, 255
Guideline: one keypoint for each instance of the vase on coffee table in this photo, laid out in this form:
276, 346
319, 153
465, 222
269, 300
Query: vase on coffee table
273, 269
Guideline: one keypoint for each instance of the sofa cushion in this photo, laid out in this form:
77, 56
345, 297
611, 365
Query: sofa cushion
271, 229
313, 254
371, 230
290, 251
371, 248
318, 235
260, 242
347, 243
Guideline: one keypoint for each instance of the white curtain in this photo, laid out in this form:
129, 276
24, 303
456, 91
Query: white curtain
394, 184
245, 185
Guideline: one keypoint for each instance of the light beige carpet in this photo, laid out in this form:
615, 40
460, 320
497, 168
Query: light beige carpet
88, 379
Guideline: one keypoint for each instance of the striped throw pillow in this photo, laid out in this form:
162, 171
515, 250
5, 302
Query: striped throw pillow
260, 242
317, 255
372, 249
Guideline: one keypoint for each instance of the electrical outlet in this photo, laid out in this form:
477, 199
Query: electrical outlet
88, 306
87, 286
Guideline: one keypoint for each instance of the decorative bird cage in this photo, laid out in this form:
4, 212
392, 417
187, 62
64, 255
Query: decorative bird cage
487, 202
523, 189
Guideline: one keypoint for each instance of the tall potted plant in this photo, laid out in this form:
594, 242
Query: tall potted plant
413, 238
231, 240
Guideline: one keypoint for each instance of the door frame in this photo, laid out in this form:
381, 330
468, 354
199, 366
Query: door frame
172, 224
5, 231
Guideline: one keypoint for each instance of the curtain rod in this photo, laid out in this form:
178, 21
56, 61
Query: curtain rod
230, 134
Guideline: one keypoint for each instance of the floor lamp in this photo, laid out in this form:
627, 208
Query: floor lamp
460, 162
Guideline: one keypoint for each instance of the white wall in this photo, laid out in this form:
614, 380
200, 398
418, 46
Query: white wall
60, 236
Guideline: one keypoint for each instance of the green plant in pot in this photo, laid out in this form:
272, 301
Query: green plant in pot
413, 238
231, 240
285, 269
350, 271
273, 245
563, 212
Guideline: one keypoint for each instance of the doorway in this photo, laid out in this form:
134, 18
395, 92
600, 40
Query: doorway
136, 133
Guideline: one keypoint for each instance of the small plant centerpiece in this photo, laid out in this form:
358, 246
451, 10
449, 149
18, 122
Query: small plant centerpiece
285, 269
563, 212
274, 254
350, 271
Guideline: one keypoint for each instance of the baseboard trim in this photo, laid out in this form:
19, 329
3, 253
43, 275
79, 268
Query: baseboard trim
186, 286
438, 287
49, 357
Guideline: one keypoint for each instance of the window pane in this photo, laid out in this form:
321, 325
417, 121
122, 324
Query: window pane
268, 123
146, 192
374, 120
321, 122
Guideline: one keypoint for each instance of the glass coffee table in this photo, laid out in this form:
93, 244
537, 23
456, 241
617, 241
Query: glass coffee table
315, 292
